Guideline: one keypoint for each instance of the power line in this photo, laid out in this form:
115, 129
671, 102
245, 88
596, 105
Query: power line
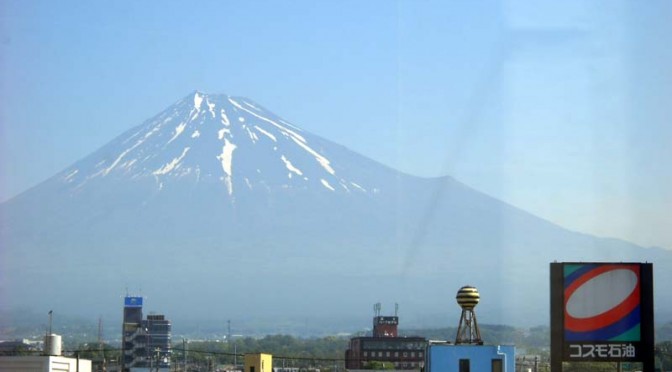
221, 353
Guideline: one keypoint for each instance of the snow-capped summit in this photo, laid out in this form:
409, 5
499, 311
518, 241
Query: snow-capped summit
217, 138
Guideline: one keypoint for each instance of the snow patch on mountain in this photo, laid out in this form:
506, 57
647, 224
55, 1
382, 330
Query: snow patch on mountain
172, 165
267, 134
320, 159
253, 136
69, 177
357, 186
211, 108
107, 170
291, 167
226, 158
326, 184
178, 130
282, 129
225, 119
251, 105
198, 100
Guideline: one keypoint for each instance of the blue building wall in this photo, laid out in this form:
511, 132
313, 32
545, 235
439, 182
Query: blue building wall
446, 358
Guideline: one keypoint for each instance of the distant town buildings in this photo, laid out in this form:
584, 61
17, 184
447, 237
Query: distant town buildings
145, 342
21, 345
146, 346
51, 359
385, 346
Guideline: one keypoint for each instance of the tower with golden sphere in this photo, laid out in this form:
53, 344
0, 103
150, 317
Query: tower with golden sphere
468, 332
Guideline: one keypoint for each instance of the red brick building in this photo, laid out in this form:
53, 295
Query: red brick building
385, 346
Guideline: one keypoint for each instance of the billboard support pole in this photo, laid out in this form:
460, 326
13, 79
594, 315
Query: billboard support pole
649, 359
557, 302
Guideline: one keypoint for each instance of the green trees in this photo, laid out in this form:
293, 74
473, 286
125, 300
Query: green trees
377, 365
664, 355
287, 350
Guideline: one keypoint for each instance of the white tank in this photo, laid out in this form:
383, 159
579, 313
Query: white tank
52, 345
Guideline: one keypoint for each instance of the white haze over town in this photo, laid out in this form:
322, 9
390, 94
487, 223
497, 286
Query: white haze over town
560, 109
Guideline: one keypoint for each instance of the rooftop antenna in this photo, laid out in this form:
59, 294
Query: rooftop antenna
396, 309
51, 312
100, 333
376, 308
47, 338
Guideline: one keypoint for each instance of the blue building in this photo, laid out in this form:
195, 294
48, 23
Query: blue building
446, 357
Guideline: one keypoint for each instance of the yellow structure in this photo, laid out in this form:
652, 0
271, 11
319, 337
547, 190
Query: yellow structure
258, 363
468, 332
468, 297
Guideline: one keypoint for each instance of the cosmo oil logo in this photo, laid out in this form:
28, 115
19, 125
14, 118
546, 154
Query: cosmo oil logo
602, 303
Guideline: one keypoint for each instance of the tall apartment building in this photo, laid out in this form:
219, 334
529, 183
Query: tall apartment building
145, 342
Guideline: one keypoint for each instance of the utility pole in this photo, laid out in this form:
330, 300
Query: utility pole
100, 333
158, 358
101, 348
148, 344
184, 354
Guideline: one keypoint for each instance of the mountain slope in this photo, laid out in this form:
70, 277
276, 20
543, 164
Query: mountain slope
218, 208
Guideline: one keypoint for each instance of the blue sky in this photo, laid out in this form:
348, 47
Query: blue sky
560, 108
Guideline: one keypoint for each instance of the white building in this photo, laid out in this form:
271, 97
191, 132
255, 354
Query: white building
43, 364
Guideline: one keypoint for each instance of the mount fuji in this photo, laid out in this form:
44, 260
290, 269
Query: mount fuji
217, 208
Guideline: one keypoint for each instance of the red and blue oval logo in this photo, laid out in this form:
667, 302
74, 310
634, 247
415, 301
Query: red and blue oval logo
602, 302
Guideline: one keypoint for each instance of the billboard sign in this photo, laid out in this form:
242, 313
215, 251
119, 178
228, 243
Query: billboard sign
389, 320
132, 301
602, 312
